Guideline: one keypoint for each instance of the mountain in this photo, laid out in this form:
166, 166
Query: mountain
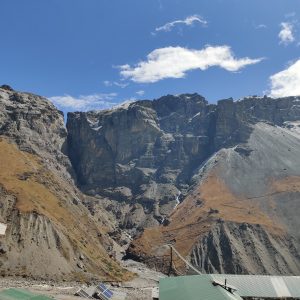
50, 233
221, 182
218, 181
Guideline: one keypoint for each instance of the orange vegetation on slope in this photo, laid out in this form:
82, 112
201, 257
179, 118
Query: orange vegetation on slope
41, 191
287, 184
194, 217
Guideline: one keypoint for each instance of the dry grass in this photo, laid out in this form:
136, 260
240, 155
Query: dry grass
216, 195
288, 184
210, 201
41, 191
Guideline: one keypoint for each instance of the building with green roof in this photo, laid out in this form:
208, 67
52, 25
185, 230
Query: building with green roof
20, 294
193, 288
231, 287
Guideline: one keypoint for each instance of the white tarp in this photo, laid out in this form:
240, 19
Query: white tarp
2, 228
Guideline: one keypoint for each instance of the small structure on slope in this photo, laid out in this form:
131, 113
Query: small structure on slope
101, 292
2, 229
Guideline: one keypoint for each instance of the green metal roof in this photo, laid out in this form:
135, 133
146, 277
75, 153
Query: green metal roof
263, 286
19, 294
254, 286
193, 288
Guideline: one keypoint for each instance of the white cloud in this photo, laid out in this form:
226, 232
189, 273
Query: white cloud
175, 62
118, 84
84, 102
160, 5
286, 35
121, 84
290, 15
261, 26
140, 93
287, 82
107, 83
189, 21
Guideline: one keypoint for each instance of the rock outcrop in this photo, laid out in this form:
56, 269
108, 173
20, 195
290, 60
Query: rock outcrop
48, 227
220, 182
176, 167
240, 248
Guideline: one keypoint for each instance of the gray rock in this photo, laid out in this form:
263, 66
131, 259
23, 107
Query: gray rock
80, 265
6, 87
151, 150
49, 227
246, 249
144, 156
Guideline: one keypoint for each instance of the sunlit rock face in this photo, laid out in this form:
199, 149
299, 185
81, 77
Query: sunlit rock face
146, 155
40, 204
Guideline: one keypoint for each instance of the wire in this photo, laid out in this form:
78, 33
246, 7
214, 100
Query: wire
184, 260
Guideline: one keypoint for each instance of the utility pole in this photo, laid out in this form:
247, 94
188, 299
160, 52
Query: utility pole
171, 261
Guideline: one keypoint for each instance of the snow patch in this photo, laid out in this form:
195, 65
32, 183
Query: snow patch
123, 105
196, 115
97, 128
92, 123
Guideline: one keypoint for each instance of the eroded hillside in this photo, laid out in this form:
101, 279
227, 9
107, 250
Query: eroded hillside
220, 182
50, 233
217, 181
241, 216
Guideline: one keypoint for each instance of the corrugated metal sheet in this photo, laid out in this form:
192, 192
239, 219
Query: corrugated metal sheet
263, 286
200, 287
193, 288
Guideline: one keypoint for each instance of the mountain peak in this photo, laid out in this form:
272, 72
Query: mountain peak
6, 87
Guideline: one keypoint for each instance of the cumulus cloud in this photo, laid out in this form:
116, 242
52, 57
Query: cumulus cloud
189, 21
287, 82
286, 34
84, 102
175, 62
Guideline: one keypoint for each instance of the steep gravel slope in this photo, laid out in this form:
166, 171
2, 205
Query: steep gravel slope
241, 215
50, 233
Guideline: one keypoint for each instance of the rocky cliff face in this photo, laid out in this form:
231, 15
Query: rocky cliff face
148, 152
221, 182
143, 154
50, 233
185, 166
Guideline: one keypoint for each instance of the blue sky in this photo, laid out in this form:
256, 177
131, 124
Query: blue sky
92, 54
